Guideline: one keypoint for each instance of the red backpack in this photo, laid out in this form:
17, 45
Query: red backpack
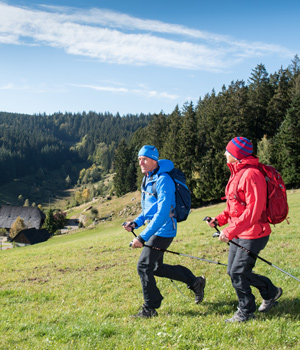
277, 205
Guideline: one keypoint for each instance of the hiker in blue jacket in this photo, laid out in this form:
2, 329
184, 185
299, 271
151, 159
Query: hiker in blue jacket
157, 212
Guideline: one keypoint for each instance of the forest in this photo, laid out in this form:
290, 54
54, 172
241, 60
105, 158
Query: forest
265, 109
32, 143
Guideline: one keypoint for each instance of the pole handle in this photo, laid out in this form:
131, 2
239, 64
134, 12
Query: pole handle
216, 234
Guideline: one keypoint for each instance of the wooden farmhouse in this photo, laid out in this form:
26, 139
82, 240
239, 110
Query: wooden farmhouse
33, 219
31, 236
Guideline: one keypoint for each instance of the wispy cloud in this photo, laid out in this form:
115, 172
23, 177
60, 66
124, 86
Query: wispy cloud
141, 92
37, 89
8, 86
121, 39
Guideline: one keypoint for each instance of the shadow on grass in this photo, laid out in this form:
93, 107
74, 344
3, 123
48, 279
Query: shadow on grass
288, 308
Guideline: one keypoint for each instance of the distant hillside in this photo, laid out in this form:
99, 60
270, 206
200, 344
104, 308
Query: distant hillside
48, 142
41, 156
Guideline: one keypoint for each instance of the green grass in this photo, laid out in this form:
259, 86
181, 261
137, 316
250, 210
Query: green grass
78, 291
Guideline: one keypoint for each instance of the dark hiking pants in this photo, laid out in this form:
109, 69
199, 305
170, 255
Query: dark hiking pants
151, 264
240, 265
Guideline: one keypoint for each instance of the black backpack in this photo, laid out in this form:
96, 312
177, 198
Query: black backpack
182, 194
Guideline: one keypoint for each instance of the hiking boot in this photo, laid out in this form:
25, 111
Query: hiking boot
198, 289
268, 304
239, 316
145, 313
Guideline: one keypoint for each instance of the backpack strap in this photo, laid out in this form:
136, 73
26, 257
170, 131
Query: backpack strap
153, 184
263, 218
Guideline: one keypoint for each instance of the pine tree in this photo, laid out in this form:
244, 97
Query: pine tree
260, 93
287, 144
49, 223
155, 133
131, 175
294, 67
187, 141
209, 174
280, 101
170, 148
121, 164
235, 112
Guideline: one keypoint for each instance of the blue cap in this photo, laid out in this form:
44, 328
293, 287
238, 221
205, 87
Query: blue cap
149, 151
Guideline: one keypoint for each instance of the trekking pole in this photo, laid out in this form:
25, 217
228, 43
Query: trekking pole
170, 251
217, 234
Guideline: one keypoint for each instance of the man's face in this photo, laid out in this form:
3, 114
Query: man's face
230, 159
147, 164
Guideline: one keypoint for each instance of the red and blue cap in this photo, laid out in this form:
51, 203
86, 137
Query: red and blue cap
240, 147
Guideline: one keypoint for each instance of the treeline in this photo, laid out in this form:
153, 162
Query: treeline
266, 110
29, 143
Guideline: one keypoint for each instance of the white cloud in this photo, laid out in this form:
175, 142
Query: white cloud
120, 39
101, 88
8, 86
141, 92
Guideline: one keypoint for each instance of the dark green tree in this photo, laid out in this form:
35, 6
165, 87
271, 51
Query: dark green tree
209, 176
49, 223
131, 176
294, 67
280, 101
156, 131
187, 141
260, 93
123, 168
235, 111
170, 149
287, 143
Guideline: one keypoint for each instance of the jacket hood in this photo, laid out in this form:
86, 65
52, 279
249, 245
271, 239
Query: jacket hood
237, 166
165, 166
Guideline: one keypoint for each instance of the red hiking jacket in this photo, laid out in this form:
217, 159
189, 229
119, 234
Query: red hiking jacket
245, 219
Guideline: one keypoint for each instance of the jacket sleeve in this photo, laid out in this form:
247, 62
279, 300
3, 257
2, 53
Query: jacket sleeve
140, 220
253, 185
223, 218
165, 190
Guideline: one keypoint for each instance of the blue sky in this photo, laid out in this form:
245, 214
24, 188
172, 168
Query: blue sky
133, 57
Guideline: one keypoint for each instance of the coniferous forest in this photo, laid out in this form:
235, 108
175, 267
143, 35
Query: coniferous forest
265, 109
29, 143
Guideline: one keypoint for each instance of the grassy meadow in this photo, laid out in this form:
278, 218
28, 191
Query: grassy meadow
78, 291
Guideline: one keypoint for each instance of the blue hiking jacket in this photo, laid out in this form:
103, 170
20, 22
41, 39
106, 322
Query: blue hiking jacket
156, 209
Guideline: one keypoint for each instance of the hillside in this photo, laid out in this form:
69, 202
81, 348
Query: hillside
109, 208
77, 291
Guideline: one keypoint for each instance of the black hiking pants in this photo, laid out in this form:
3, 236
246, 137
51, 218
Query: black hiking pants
151, 264
240, 265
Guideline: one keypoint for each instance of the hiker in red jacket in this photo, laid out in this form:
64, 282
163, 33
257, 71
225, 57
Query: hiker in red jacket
248, 227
